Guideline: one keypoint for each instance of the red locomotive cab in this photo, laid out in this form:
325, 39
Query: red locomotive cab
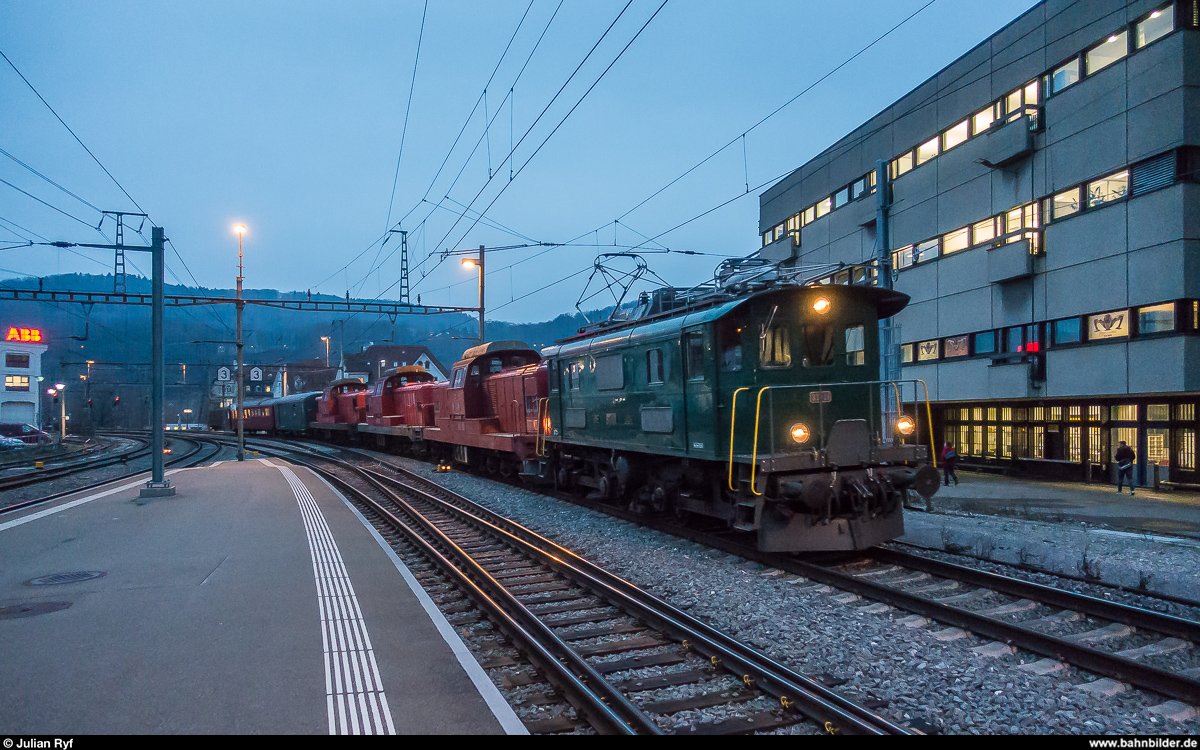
417, 403
394, 399
352, 406
486, 404
329, 406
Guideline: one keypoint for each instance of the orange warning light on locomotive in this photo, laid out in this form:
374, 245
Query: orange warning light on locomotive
28, 335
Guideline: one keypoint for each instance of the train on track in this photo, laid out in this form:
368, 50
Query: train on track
764, 412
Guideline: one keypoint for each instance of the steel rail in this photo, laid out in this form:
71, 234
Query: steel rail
1143, 676
1159, 622
814, 700
199, 443
605, 707
804, 695
45, 475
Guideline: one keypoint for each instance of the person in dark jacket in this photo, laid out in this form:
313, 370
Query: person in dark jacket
1125, 458
949, 461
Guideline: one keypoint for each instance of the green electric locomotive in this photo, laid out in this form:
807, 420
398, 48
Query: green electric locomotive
765, 411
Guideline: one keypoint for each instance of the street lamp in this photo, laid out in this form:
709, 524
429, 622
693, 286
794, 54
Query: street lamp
62, 404
241, 449
326, 340
188, 412
473, 263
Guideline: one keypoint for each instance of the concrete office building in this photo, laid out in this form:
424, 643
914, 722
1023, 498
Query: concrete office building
22, 370
1045, 219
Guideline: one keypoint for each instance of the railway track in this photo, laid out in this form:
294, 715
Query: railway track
1149, 650
191, 458
138, 450
625, 661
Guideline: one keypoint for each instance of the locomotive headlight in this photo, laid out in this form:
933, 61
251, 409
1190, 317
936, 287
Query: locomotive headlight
905, 425
821, 306
800, 432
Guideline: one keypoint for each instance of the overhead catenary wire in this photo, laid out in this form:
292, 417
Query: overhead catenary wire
407, 109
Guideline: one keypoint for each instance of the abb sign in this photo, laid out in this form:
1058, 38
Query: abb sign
28, 335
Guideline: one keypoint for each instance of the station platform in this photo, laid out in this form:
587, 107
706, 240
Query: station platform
1168, 512
254, 601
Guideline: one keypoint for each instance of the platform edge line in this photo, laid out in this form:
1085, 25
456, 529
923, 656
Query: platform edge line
499, 707
71, 504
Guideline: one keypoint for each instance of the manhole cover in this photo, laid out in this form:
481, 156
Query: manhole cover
57, 578
32, 609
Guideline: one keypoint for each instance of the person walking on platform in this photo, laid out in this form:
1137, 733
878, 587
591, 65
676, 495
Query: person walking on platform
1125, 458
949, 461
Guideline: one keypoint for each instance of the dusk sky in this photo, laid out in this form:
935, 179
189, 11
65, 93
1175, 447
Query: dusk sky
288, 117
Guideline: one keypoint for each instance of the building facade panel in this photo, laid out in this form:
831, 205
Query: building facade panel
1097, 370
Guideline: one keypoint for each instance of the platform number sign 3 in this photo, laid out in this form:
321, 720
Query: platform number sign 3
223, 373
256, 373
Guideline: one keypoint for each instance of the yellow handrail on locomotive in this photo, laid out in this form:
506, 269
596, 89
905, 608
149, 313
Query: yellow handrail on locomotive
754, 452
732, 422
929, 418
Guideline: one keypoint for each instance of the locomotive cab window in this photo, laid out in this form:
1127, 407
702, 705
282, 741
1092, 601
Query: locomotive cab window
818, 345
459, 376
576, 368
694, 345
774, 347
654, 366
731, 349
856, 346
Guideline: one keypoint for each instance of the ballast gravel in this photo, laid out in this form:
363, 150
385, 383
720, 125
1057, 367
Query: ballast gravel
864, 655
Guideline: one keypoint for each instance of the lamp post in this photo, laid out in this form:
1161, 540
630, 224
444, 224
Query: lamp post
472, 263
188, 414
241, 446
62, 405
326, 340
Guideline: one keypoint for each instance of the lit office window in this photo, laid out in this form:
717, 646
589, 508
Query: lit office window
983, 231
977, 440
1107, 52
1031, 94
927, 150
1013, 101
1187, 450
1107, 189
1037, 442
1074, 444
927, 350
1094, 413
1124, 413
1037, 414
1159, 23
793, 223
1185, 412
1064, 75
823, 207
1021, 414
1006, 414
901, 164
1156, 319
766, 238
964, 440
957, 346
1013, 221
1094, 456
956, 135
991, 414
954, 241
977, 414
1158, 412
1157, 451
16, 382
1108, 325
902, 258
1065, 203
1074, 413
1067, 331
906, 353
991, 440
927, 250
983, 120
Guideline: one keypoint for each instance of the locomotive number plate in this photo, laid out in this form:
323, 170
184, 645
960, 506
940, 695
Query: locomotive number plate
820, 397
